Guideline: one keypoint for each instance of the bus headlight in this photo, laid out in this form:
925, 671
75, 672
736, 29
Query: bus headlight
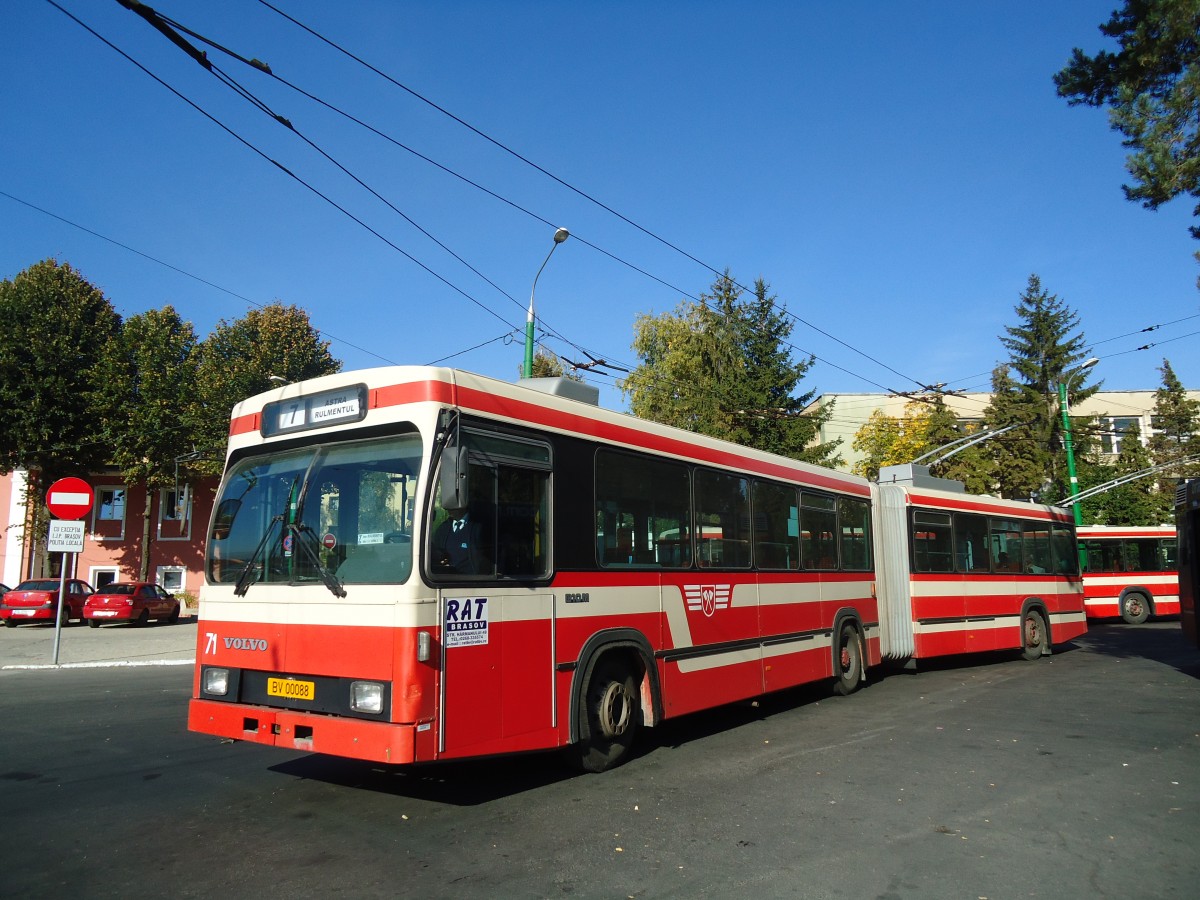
366, 696
216, 682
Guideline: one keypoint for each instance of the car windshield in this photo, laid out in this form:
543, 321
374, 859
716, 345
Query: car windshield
119, 589
303, 515
38, 586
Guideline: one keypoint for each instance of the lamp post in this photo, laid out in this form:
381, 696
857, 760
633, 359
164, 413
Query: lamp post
559, 236
1067, 442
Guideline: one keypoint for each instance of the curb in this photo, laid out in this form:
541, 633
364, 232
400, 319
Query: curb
112, 664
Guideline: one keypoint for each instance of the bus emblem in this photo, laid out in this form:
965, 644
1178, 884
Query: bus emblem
707, 598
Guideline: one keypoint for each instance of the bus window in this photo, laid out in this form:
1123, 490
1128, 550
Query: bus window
1035, 540
818, 531
970, 543
854, 516
1169, 554
931, 542
344, 509
643, 513
503, 533
1006, 545
722, 520
776, 526
1065, 550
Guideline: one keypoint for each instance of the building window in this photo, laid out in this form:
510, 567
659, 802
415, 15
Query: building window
174, 514
1114, 429
103, 576
108, 518
172, 578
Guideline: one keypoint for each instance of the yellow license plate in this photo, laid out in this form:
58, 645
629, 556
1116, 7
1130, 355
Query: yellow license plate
291, 689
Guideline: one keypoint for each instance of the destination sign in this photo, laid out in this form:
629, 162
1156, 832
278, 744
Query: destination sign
336, 407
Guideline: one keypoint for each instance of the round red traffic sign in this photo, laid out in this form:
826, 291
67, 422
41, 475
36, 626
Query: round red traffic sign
69, 498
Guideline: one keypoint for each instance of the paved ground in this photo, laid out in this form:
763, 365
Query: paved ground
32, 646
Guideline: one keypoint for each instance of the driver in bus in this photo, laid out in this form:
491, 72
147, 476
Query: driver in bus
457, 546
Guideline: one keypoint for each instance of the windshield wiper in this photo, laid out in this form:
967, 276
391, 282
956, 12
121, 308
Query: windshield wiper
243, 582
306, 538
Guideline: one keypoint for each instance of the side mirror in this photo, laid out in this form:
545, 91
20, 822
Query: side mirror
453, 481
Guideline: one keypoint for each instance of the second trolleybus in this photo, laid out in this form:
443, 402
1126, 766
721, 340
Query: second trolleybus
1129, 572
410, 564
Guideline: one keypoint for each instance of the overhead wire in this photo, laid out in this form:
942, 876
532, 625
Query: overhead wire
282, 167
576, 190
184, 272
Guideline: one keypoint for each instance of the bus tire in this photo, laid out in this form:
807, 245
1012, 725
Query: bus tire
1035, 639
611, 714
1135, 608
847, 660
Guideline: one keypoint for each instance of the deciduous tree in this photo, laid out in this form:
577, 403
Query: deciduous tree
55, 328
240, 357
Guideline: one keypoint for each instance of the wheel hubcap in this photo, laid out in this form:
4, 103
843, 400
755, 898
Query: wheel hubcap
616, 707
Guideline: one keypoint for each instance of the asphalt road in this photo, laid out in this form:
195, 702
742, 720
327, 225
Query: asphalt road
1073, 776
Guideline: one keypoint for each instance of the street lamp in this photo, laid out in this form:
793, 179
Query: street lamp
1067, 442
559, 236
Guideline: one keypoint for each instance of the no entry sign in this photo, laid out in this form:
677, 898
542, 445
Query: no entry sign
69, 498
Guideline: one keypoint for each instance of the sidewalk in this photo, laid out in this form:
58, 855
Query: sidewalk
32, 646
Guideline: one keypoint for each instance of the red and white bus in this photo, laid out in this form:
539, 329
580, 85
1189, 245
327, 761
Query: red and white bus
412, 564
1129, 572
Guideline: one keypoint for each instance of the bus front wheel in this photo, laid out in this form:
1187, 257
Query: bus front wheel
1134, 608
611, 713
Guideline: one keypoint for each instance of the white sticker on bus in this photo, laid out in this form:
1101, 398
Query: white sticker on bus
466, 622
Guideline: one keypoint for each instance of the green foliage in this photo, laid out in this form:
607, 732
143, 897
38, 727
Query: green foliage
546, 364
54, 324
1176, 430
1152, 89
148, 398
239, 359
1133, 503
1046, 348
925, 426
722, 367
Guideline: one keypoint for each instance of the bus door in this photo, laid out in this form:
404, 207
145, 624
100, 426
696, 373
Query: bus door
497, 671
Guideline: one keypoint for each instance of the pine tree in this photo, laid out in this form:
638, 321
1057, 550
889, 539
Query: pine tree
1176, 424
1044, 350
722, 367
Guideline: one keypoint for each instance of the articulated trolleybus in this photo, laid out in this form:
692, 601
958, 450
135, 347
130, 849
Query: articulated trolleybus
416, 564
1129, 572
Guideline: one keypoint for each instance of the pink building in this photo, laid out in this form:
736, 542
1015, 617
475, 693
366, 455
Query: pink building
120, 528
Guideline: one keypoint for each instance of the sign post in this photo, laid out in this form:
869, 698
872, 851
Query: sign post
70, 499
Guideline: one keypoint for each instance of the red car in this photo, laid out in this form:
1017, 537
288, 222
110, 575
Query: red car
130, 601
36, 600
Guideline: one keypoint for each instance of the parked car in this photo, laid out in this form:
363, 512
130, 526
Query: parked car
131, 601
36, 600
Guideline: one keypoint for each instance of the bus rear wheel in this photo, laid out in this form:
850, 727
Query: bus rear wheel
1134, 608
848, 660
611, 713
1035, 641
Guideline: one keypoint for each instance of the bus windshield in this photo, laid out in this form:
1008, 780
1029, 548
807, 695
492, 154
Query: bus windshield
338, 513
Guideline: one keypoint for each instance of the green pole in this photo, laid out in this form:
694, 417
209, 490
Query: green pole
1068, 443
559, 236
528, 371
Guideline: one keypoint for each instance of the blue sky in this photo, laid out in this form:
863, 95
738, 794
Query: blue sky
894, 171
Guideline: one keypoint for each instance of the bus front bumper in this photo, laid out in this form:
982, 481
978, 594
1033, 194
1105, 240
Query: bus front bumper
381, 742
